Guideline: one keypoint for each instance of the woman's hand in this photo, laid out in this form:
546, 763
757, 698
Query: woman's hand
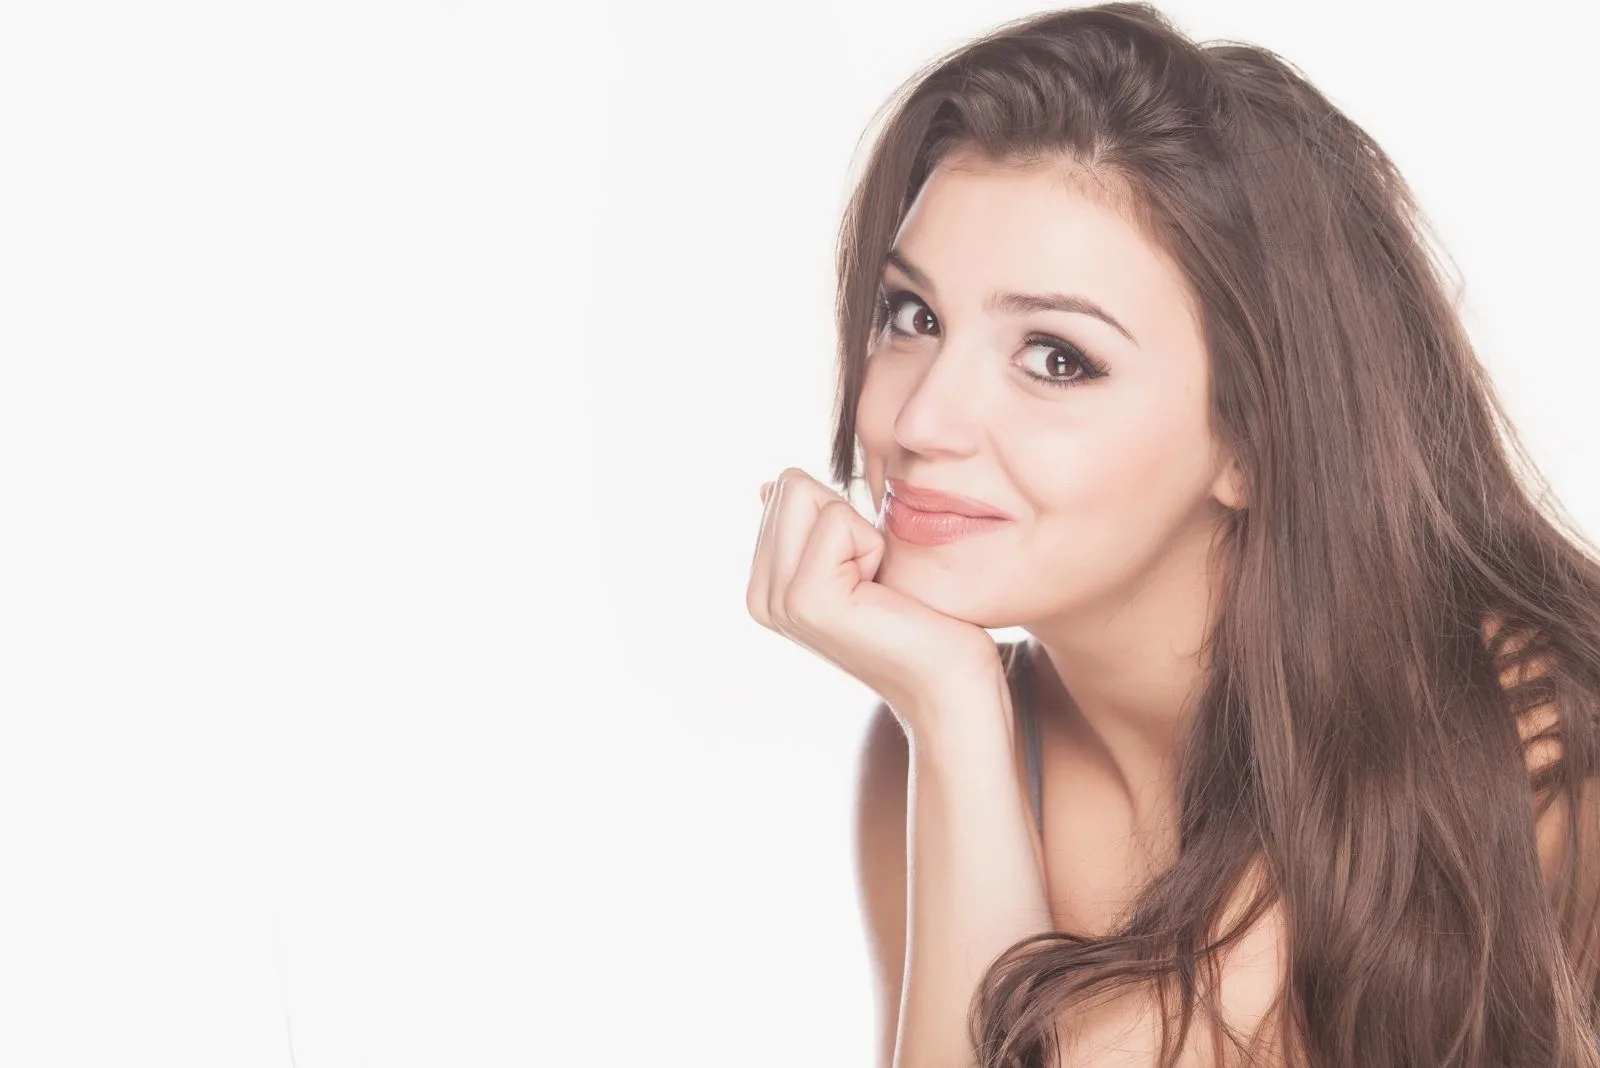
811, 580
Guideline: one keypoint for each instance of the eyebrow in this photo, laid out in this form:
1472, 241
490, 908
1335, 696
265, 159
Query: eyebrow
1022, 303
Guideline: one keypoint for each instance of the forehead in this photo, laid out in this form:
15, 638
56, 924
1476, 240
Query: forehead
977, 226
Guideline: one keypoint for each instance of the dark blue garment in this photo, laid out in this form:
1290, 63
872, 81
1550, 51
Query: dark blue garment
1022, 666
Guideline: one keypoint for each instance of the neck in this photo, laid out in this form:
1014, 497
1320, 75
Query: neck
1119, 679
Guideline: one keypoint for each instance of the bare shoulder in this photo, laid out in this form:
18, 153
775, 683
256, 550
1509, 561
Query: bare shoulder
880, 853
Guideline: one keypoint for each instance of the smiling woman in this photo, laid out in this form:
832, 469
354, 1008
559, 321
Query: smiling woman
1142, 349
1113, 374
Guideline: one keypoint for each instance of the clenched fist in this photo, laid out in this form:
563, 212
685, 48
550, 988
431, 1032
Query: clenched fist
811, 580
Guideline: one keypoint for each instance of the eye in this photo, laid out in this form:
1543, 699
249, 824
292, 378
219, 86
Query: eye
892, 303
1074, 365
1065, 364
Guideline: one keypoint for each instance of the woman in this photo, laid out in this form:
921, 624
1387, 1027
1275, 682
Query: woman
1142, 350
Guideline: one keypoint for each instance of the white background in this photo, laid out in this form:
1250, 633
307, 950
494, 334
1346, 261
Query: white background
385, 392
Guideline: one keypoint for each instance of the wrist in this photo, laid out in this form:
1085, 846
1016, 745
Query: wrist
962, 721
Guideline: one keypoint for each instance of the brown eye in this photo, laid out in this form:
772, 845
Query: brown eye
1075, 365
893, 303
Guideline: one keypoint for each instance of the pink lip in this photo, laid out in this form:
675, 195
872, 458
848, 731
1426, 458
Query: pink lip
915, 527
929, 500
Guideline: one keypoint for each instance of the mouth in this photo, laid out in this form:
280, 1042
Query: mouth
916, 527
940, 502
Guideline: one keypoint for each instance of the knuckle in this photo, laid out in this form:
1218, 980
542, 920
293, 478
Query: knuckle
789, 477
781, 624
836, 509
756, 606
757, 601
800, 604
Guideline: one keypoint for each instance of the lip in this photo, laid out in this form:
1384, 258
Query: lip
908, 525
936, 501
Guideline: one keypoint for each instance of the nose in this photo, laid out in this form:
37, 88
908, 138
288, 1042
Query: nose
944, 412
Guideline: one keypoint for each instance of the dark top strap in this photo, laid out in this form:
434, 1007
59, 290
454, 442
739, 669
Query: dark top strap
1029, 722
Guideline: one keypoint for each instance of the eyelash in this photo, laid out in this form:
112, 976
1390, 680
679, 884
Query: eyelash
889, 303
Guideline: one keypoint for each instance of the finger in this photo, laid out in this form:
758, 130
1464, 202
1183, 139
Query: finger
800, 497
757, 595
828, 569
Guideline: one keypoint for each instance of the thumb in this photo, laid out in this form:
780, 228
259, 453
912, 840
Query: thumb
831, 589
843, 551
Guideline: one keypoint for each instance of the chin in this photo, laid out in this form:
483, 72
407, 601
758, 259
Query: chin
944, 583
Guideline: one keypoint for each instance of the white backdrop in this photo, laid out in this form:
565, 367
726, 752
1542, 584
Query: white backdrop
386, 388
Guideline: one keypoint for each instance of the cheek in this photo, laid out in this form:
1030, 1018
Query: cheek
1130, 484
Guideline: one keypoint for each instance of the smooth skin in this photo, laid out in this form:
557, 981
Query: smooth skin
1115, 485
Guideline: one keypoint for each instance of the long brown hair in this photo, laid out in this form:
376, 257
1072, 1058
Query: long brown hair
1357, 739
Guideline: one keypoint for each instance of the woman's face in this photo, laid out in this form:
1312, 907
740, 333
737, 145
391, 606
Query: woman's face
1105, 467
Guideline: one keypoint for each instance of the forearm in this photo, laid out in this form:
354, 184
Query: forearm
974, 879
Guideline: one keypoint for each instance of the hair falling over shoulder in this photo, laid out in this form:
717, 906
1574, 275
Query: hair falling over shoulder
1405, 673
